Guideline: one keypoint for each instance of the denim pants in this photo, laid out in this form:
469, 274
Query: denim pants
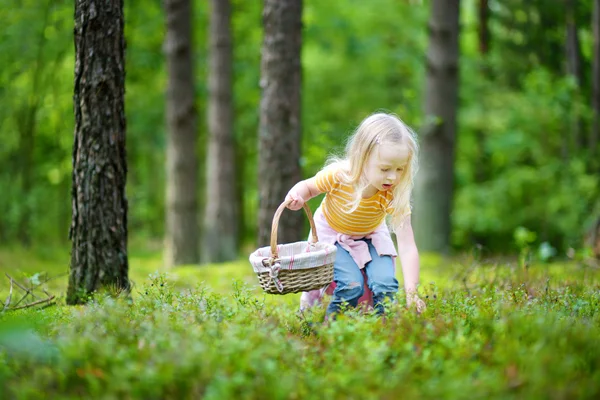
349, 281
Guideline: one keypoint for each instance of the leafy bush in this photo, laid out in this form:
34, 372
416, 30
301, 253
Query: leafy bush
530, 169
493, 332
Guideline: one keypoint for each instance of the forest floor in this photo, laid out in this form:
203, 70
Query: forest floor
492, 329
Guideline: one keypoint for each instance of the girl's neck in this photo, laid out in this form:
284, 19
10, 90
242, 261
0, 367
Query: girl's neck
370, 191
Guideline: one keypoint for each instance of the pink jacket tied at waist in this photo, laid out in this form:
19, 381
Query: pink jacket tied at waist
358, 249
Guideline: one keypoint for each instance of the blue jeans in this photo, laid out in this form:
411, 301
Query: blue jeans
349, 281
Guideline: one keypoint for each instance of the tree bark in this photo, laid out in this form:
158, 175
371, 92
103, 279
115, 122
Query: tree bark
280, 130
572, 45
574, 69
221, 216
99, 222
483, 33
182, 230
434, 187
483, 29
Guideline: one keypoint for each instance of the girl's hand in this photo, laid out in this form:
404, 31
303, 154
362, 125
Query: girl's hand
297, 200
413, 300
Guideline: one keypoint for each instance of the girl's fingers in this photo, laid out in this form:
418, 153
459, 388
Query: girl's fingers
297, 201
294, 205
416, 302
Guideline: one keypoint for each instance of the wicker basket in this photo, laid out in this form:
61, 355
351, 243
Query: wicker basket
295, 267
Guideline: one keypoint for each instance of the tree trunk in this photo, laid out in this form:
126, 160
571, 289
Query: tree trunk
572, 46
483, 33
483, 30
435, 182
573, 68
221, 216
99, 223
595, 132
279, 131
182, 241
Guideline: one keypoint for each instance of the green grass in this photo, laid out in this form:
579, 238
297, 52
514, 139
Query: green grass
491, 330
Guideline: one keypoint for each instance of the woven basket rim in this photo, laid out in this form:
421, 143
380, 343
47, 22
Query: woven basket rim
304, 257
321, 252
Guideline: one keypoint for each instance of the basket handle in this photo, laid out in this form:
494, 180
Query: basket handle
275, 225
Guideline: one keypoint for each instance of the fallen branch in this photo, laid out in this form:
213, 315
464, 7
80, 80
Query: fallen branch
27, 293
35, 303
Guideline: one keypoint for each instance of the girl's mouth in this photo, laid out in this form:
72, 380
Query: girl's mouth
386, 186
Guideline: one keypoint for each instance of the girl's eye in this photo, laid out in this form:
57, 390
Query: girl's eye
385, 170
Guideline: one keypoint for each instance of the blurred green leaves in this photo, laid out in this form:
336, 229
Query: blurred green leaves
529, 335
520, 159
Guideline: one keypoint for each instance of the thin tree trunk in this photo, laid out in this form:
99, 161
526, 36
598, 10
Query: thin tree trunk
574, 68
182, 231
221, 216
99, 223
483, 30
279, 131
572, 45
434, 188
481, 172
241, 154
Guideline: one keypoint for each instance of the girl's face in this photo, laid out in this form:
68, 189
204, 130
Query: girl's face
386, 165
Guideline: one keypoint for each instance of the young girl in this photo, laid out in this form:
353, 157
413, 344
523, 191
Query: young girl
374, 179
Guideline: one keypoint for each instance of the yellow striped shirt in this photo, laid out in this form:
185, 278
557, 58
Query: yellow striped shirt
362, 221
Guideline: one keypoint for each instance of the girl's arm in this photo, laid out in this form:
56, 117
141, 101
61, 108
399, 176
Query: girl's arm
302, 192
409, 258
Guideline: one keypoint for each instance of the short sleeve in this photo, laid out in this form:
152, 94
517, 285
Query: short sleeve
326, 179
388, 203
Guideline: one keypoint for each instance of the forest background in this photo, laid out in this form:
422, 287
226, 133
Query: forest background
525, 133
523, 184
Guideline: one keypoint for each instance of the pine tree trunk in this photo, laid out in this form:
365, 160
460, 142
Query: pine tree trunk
182, 241
483, 33
572, 46
573, 68
99, 222
483, 30
221, 216
279, 131
434, 188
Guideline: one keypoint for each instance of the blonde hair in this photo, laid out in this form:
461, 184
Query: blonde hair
373, 131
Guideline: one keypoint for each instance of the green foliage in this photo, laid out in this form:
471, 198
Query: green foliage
535, 173
490, 331
521, 159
